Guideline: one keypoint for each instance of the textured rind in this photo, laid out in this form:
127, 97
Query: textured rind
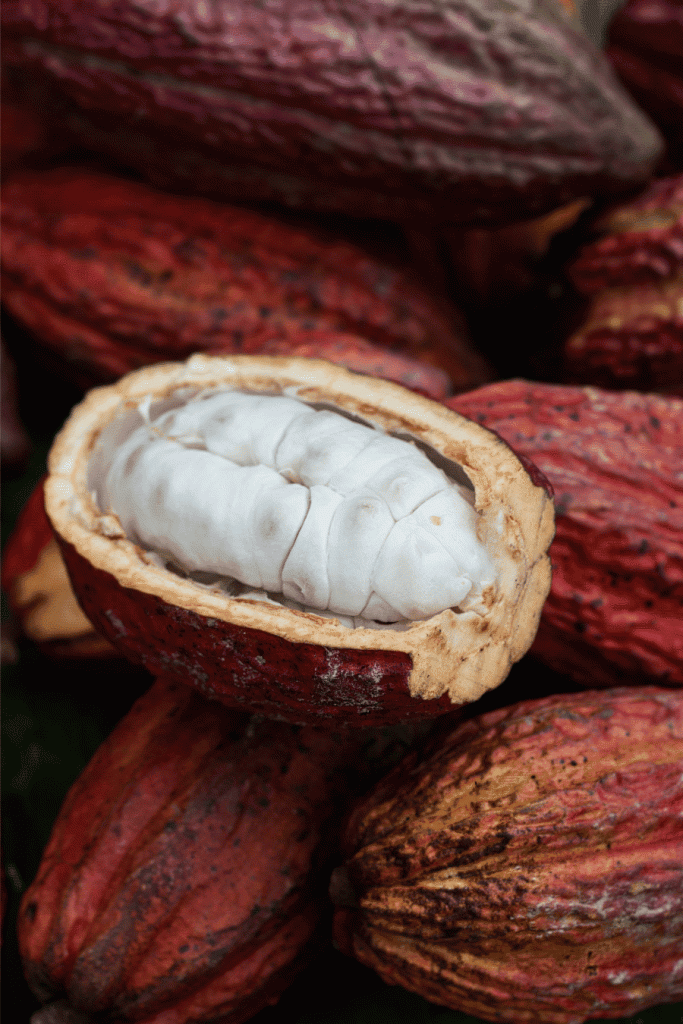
32, 531
182, 880
245, 667
363, 356
645, 46
631, 334
39, 591
639, 242
235, 647
529, 868
614, 460
631, 338
468, 112
113, 275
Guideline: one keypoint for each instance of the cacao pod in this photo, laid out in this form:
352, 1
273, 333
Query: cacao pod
614, 460
529, 868
645, 46
28, 137
245, 645
22, 134
182, 880
15, 444
37, 584
113, 275
490, 266
470, 112
632, 332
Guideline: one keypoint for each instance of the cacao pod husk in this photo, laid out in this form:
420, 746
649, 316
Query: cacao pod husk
15, 444
298, 663
39, 591
645, 46
28, 137
184, 876
613, 458
476, 112
529, 867
631, 334
112, 275
23, 134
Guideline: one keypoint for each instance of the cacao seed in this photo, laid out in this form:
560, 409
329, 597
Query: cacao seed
472, 112
613, 458
113, 275
529, 868
250, 649
267, 491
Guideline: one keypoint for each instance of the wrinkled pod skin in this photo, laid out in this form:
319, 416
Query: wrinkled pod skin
39, 591
645, 46
109, 275
529, 868
184, 878
631, 333
471, 112
614, 612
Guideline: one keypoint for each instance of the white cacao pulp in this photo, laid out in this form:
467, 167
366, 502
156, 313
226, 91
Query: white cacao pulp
331, 513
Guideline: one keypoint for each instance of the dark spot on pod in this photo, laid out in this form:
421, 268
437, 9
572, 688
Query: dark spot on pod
138, 274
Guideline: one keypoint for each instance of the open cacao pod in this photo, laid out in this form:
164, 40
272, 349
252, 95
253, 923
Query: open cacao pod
480, 111
240, 639
529, 868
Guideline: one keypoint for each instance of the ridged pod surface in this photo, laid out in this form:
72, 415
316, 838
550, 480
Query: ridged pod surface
182, 880
111, 275
614, 460
290, 662
645, 45
529, 868
631, 334
39, 591
475, 111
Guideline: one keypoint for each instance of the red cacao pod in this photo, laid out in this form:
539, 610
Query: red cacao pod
631, 335
475, 112
613, 458
15, 444
645, 46
182, 877
28, 137
113, 275
252, 648
22, 134
529, 868
39, 591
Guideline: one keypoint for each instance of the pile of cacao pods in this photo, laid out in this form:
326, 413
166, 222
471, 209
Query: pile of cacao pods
480, 204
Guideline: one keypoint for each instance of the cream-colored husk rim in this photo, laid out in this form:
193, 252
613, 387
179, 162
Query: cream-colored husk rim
462, 653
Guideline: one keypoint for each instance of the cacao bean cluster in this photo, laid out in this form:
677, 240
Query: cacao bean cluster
469, 199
